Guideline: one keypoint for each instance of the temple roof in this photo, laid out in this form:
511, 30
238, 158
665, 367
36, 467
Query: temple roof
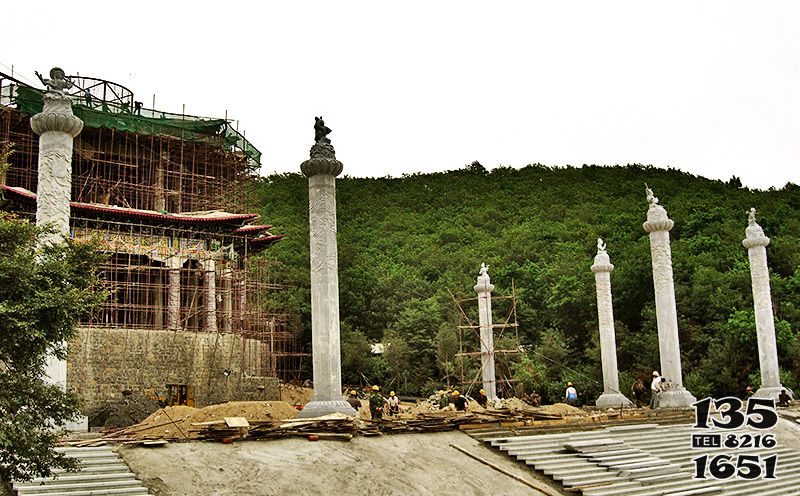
209, 218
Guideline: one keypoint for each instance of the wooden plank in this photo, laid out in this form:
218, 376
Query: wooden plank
236, 422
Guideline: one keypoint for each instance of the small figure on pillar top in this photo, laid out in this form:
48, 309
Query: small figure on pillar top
321, 131
601, 246
484, 270
751, 217
651, 198
58, 81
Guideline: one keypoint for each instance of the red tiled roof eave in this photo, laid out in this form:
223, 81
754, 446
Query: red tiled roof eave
144, 214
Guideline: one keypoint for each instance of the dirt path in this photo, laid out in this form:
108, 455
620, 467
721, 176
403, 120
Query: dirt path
386, 465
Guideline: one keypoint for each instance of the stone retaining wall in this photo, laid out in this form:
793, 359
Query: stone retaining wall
104, 362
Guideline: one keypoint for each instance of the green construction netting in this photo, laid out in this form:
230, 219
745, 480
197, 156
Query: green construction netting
100, 114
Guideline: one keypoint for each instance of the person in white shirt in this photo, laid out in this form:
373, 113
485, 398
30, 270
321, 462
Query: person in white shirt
571, 395
655, 390
394, 404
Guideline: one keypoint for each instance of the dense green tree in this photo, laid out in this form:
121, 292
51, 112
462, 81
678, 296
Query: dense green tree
405, 242
43, 293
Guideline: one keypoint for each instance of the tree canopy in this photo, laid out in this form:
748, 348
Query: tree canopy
404, 242
43, 293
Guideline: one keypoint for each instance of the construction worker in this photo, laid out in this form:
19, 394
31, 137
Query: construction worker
571, 395
482, 399
443, 399
376, 403
394, 404
353, 400
459, 401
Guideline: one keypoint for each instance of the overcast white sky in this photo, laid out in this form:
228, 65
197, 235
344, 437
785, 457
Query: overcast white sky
709, 87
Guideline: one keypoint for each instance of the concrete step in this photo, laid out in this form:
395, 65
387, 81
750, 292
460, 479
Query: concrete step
81, 477
109, 468
100, 492
102, 472
58, 485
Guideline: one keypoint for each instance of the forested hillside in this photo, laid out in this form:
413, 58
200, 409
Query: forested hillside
404, 242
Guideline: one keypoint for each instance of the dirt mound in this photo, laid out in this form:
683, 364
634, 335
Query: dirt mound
122, 412
253, 411
295, 395
171, 422
175, 422
562, 409
516, 404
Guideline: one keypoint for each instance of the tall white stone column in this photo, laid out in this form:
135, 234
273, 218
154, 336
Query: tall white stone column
57, 127
210, 283
174, 293
227, 299
756, 243
484, 289
602, 267
321, 170
658, 225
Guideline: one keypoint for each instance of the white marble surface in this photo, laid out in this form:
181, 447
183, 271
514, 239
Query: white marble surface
756, 243
484, 289
602, 268
658, 225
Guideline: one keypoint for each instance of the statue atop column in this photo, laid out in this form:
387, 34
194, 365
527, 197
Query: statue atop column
601, 246
321, 131
58, 81
323, 156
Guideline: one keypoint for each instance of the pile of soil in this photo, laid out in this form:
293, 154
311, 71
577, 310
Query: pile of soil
171, 422
253, 411
175, 422
516, 404
122, 412
295, 395
562, 409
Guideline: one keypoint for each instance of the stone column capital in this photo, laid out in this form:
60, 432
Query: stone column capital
483, 287
602, 263
755, 236
755, 241
657, 219
56, 116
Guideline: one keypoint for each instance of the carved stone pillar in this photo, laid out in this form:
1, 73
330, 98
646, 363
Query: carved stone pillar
602, 267
210, 283
321, 170
658, 225
756, 243
484, 289
227, 299
57, 127
174, 293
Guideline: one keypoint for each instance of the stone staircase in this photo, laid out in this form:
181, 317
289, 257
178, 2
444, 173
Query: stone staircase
102, 472
639, 460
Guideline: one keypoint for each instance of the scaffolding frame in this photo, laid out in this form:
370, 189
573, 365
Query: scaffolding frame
469, 340
162, 274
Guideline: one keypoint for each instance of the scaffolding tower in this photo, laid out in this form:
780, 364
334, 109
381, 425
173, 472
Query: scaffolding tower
469, 341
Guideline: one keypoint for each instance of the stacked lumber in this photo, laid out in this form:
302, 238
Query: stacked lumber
334, 426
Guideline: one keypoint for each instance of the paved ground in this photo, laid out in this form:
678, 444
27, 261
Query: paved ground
386, 465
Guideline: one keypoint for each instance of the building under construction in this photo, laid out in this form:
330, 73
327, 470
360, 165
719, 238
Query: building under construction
192, 302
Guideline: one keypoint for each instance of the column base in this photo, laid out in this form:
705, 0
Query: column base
612, 400
676, 398
319, 408
772, 392
81, 424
